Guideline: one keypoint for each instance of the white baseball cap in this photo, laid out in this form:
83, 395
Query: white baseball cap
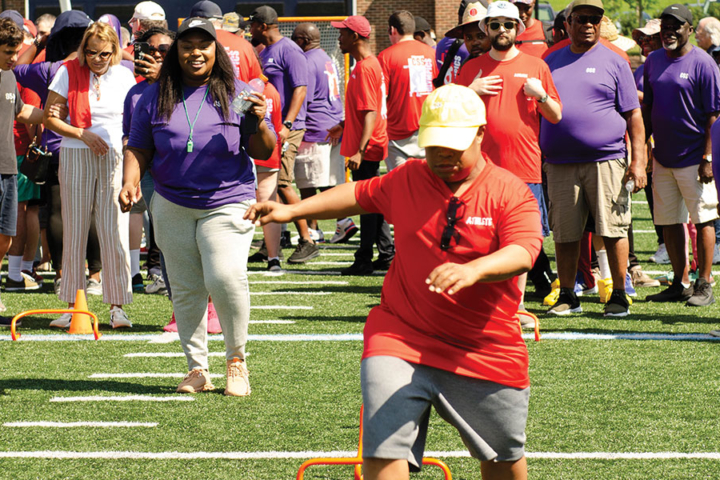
502, 9
148, 11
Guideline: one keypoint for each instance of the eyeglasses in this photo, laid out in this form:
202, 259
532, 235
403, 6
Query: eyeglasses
496, 25
163, 49
452, 218
583, 19
104, 56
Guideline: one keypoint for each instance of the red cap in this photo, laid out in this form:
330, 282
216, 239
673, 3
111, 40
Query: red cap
356, 23
30, 27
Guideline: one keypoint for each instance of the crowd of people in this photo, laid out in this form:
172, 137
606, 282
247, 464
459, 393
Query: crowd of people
494, 136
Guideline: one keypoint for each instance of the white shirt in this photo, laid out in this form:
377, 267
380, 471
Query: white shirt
106, 104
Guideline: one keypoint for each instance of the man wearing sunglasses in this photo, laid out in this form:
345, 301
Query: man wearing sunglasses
680, 105
517, 89
586, 156
445, 333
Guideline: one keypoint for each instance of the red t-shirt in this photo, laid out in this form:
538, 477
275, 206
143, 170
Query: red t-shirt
474, 332
533, 40
242, 55
409, 68
513, 119
274, 107
365, 92
566, 42
20, 131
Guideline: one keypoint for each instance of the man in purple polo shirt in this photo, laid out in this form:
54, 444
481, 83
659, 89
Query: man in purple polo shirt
286, 67
586, 156
680, 105
319, 164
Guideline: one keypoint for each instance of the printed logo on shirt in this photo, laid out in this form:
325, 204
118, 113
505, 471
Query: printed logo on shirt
590, 70
521, 75
481, 221
10, 97
333, 83
235, 59
216, 103
269, 104
421, 70
453, 70
270, 60
684, 76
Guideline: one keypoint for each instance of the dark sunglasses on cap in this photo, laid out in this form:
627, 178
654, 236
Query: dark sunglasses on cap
496, 25
449, 232
583, 19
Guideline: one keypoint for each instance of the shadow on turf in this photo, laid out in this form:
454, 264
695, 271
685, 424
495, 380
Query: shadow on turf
59, 385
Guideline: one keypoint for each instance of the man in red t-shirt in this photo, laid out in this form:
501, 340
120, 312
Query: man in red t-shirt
409, 68
532, 41
445, 333
516, 88
364, 138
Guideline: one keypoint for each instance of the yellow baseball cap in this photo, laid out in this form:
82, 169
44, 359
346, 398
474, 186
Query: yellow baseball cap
451, 116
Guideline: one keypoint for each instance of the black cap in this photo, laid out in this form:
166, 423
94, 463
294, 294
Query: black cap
15, 16
681, 12
206, 9
422, 25
196, 23
264, 14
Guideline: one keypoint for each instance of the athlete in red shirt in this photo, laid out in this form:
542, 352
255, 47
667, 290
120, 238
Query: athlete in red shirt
409, 67
245, 62
445, 329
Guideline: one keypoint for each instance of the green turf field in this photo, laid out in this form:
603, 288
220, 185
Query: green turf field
615, 399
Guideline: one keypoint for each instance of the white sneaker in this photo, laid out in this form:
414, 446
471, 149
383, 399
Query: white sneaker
346, 228
716, 254
157, 286
661, 256
119, 319
63, 321
93, 287
57, 283
317, 235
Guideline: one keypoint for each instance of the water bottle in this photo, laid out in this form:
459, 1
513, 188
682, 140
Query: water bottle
242, 106
624, 199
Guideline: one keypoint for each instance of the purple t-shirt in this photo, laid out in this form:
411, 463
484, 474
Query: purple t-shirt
217, 172
640, 77
681, 93
715, 137
285, 66
441, 49
596, 87
324, 105
131, 101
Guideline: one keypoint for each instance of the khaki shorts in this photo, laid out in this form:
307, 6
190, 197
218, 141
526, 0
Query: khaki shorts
677, 193
319, 165
287, 163
578, 189
400, 150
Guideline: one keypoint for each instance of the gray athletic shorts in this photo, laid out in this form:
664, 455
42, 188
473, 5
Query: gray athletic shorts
397, 396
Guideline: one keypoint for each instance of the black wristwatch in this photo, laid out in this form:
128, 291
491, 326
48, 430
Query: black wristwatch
288, 125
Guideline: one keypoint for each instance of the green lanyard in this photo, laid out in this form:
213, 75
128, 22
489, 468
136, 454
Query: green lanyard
192, 125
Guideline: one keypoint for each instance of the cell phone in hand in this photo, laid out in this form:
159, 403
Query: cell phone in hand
141, 48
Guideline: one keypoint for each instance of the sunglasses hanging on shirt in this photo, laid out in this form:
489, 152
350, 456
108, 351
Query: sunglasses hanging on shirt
454, 213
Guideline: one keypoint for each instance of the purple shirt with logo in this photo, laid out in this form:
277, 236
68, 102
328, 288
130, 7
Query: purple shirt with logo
462, 54
285, 66
324, 105
596, 87
681, 94
217, 172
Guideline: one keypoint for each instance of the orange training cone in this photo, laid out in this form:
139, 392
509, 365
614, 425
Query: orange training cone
80, 323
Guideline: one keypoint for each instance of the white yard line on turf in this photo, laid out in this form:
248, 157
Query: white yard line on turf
280, 307
79, 424
329, 263
345, 337
291, 293
309, 282
124, 398
640, 202
665, 272
643, 231
274, 455
146, 375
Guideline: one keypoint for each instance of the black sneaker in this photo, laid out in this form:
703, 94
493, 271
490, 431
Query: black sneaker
285, 241
137, 284
702, 294
358, 269
618, 305
7, 321
304, 251
274, 265
674, 293
566, 304
382, 264
259, 256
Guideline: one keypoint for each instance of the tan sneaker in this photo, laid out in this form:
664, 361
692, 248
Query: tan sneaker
197, 380
238, 384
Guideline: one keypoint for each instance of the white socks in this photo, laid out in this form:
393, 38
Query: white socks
134, 262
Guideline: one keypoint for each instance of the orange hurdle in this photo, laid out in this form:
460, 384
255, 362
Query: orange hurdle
357, 460
534, 317
20, 315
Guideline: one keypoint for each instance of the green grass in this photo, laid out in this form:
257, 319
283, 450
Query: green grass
587, 395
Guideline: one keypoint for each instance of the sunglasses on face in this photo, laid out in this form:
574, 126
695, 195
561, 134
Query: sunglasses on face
452, 217
103, 55
496, 25
163, 49
583, 19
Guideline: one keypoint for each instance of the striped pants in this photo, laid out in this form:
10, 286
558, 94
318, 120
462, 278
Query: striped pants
90, 185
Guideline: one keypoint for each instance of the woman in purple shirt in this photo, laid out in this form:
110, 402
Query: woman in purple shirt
197, 151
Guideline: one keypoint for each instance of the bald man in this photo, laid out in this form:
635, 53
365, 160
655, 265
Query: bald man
318, 163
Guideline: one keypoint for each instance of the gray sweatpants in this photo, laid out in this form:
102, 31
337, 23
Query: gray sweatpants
205, 253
